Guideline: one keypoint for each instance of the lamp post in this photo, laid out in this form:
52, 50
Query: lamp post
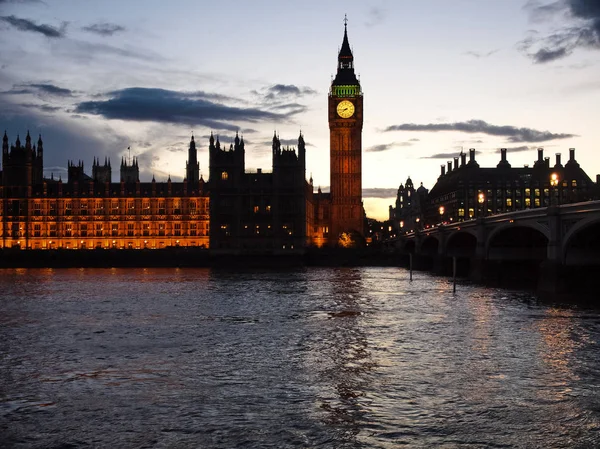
441, 211
481, 200
554, 180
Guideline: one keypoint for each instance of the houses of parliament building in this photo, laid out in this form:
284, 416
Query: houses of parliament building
235, 211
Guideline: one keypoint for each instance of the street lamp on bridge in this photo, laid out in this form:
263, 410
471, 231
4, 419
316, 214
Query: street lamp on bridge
441, 211
554, 180
481, 201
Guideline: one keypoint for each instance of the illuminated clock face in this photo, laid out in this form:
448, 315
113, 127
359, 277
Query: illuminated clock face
345, 109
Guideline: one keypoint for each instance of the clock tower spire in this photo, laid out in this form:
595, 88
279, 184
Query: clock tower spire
345, 147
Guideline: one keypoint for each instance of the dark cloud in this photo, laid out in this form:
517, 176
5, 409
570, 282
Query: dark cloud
29, 25
167, 106
442, 156
480, 55
41, 107
53, 90
288, 90
513, 133
388, 146
104, 28
414, 140
581, 31
50, 89
377, 192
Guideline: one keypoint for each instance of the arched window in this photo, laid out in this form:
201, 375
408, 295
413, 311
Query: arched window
224, 176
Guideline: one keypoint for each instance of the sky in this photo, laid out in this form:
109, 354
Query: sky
438, 76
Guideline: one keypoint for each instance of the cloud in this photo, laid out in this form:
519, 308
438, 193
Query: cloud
480, 55
515, 149
41, 107
289, 90
388, 146
168, 106
513, 133
104, 28
375, 16
50, 89
53, 90
85, 51
581, 31
283, 92
378, 192
445, 156
29, 25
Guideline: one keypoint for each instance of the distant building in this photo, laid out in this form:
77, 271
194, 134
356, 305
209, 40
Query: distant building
91, 211
409, 211
465, 191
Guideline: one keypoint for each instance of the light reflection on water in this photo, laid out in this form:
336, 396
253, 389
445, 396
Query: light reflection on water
354, 357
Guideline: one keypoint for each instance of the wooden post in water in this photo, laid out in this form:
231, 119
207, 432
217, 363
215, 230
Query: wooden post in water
410, 264
454, 274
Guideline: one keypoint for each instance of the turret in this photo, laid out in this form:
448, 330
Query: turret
5, 144
302, 153
192, 166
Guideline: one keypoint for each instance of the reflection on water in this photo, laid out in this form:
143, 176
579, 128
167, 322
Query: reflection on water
340, 358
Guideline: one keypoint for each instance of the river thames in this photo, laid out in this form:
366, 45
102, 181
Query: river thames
318, 357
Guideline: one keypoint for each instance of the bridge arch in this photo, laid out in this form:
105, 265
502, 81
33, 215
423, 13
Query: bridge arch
461, 243
541, 229
518, 241
582, 242
430, 245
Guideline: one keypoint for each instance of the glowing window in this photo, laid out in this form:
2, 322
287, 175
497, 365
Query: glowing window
224, 176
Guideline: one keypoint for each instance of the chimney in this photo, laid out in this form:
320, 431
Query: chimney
503, 162
455, 163
463, 159
558, 164
449, 166
597, 180
471, 154
547, 162
259, 170
443, 170
540, 154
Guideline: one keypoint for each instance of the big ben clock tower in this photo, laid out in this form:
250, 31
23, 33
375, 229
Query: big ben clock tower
345, 147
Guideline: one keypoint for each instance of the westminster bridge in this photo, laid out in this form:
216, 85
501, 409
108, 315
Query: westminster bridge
558, 247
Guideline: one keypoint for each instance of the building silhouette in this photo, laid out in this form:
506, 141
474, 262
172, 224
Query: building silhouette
258, 212
466, 191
